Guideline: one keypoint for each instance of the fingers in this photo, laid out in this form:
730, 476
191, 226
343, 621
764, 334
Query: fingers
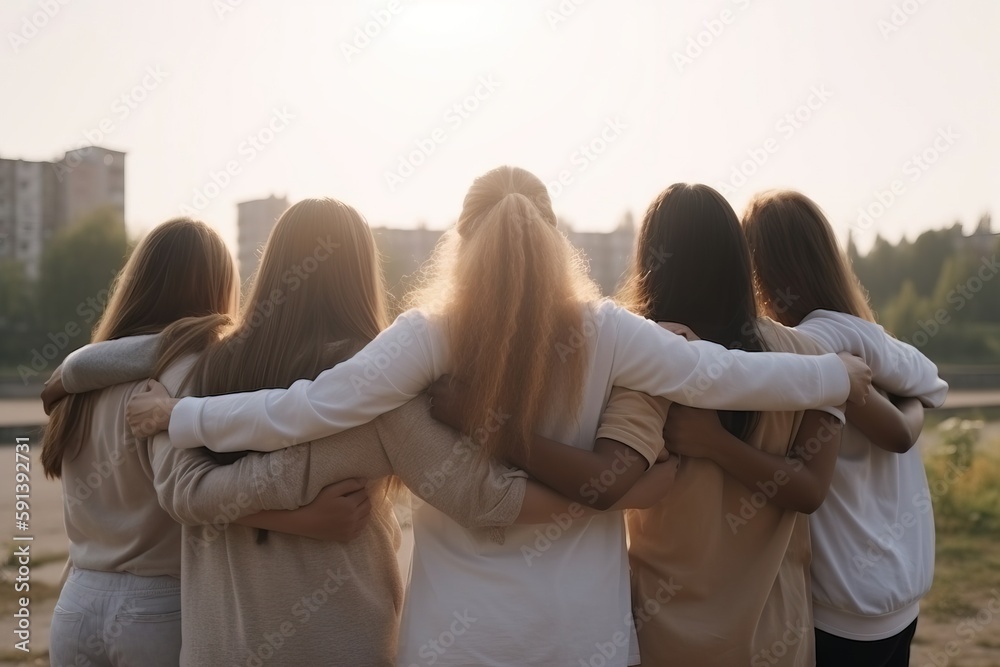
679, 329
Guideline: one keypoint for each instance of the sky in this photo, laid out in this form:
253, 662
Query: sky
883, 111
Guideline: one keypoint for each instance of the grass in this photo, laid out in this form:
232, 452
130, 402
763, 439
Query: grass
966, 571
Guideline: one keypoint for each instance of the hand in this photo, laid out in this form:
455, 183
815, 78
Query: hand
148, 411
653, 486
679, 329
53, 391
860, 376
446, 402
687, 430
338, 513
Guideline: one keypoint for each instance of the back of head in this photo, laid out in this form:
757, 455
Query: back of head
798, 265
181, 269
692, 266
317, 297
511, 287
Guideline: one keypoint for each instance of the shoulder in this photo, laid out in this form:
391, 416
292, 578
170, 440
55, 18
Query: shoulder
847, 327
605, 313
779, 338
173, 377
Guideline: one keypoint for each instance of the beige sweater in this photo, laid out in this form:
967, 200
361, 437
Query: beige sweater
717, 582
296, 601
113, 519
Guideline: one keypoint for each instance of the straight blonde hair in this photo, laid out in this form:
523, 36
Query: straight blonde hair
798, 265
512, 290
180, 269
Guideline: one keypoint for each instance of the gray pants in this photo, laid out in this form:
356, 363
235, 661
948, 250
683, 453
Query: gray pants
116, 619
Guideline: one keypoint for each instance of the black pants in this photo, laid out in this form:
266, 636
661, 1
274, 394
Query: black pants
834, 651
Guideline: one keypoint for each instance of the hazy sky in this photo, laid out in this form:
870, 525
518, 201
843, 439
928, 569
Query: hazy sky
618, 99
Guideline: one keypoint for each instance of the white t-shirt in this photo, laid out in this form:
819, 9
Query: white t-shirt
554, 594
873, 536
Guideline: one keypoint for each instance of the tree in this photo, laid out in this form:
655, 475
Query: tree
77, 268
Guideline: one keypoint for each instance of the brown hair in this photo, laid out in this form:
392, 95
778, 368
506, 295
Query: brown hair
512, 290
798, 265
319, 281
182, 268
692, 266
317, 298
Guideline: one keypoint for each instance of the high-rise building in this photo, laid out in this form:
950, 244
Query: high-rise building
37, 199
90, 178
254, 221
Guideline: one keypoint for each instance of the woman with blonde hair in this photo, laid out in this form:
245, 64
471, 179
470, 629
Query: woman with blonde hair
316, 298
867, 580
508, 310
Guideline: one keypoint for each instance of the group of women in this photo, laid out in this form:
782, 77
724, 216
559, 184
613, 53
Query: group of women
525, 412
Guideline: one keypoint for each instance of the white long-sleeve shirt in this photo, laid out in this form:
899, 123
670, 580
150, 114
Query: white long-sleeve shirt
873, 536
550, 595
408, 356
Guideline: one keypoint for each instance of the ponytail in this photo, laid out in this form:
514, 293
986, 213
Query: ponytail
512, 291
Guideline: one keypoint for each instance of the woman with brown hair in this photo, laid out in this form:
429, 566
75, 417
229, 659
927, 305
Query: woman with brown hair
124, 548
869, 572
509, 311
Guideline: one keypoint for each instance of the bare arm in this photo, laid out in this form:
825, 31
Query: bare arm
597, 478
339, 513
798, 481
913, 411
888, 426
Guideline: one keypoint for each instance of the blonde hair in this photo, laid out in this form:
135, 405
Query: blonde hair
512, 290
798, 265
180, 269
